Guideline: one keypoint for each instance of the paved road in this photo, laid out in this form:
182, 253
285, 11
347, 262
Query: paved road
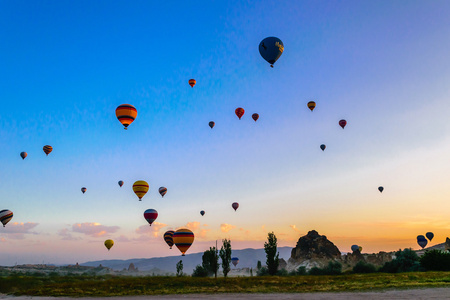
425, 294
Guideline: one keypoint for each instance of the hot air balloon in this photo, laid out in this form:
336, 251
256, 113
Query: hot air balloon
202, 212
23, 155
211, 124
235, 261
255, 117
5, 216
120, 183
109, 244
126, 113
168, 237
422, 241
162, 190
380, 188
47, 149
83, 189
360, 249
271, 49
311, 105
239, 112
140, 188
429, 235
235, 205
150, 215
355, 248
342, 123
192, 82
183, 239
323, 147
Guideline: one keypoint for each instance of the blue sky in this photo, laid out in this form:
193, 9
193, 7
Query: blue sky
65, 67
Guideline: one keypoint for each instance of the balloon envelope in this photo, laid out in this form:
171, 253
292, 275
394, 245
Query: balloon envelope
47, 149
162, 190
109, 244
5, 216
140, 188
211, 124
23, 155
120, 183
168, 237
202, 212
355, 248
150, 215
255, 117
271, 49
239, 112
422, 241
359, 248
183, 239
380, 188
311, 105
429, 235
235, 205
342, 123
83, 189
323, 147
192, 82
126, 114
235, 261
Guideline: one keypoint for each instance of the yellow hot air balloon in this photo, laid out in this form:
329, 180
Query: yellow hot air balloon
140, 188
109, 244
359, 248
183, 239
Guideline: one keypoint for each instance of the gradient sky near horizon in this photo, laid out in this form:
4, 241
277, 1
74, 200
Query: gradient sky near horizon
65, 66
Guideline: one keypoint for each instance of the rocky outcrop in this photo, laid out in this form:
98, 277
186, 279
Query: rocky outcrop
314, 246
447, 244
282, 264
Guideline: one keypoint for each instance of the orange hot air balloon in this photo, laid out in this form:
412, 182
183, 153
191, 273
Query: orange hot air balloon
140, 188
183, 239
47, 149
311, 105
192, 82
239, 112
126, 113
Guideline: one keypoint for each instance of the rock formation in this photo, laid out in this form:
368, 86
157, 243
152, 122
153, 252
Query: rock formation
313, 246
447, 244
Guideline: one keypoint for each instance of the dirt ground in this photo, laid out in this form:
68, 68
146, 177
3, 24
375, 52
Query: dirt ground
426, 293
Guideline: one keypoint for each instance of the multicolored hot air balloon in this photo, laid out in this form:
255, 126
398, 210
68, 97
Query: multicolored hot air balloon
126, 114
23, 155
150, 215
202, 212
239, 112
47, 149
342, 123
109, 244
192, 82
120, 183
271, 49
355, 248
83, 189
211, 124
235, 261
429, 235
235, 205
422, 241
183, 239
323, 147
380, 188
140, 188
255, 117
162, 190
168, 237
5, 216
311, 105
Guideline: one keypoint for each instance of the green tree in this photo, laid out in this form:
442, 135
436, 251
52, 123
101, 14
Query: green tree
363, 267
435, 260
180, 268
271, 253
210, 261
200, 271
225, 256
405, 261
258, 265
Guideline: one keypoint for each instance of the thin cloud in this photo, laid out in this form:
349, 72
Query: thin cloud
94, 229
153, 230
17, 231
66, 235
226, 227
295, 228
193, 225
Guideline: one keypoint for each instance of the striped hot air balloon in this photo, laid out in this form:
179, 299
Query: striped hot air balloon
140, 188
239, 112
311, 105
47, 149
23, 155
126, 113
183, 239
192, 82
109, 244
5, 216
162, 190
150, 215
168, 237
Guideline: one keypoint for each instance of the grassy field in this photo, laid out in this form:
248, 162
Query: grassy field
79, 286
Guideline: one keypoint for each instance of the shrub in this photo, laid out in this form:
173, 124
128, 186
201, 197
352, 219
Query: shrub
200, 271
262, 272
435, 260
333, 268
363, 267
282, 272
405, 261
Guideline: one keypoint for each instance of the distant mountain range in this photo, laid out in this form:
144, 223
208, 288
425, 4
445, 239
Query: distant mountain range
248, 258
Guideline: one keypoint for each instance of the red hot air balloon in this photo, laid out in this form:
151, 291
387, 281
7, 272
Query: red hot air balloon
192, 82
235, 205
126, 114
239, 112
150, 215
255, 117
342, 123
